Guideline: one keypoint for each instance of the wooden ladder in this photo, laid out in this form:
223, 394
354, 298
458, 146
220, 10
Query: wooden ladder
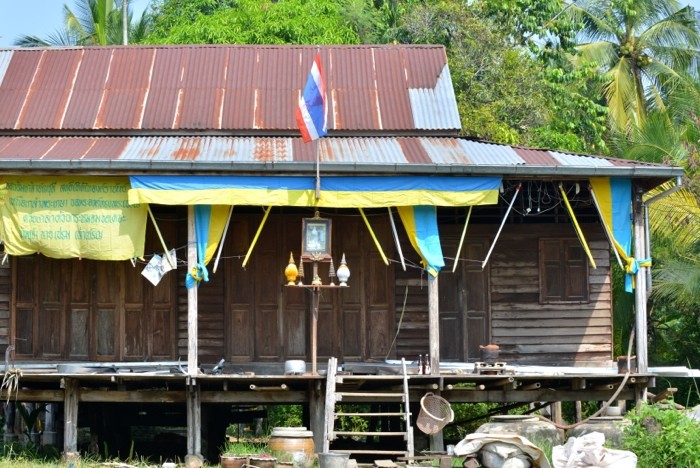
370, 396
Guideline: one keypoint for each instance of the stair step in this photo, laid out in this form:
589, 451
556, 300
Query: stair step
370, 414
368, 433
371, 394
372, 452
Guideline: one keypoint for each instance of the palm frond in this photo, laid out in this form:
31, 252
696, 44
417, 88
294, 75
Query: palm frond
676, 218
678, 282
620, 95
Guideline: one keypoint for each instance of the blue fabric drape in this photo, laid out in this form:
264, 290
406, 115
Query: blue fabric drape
202, 218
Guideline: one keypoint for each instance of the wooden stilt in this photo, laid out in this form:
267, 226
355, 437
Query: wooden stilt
70, 423
434, 326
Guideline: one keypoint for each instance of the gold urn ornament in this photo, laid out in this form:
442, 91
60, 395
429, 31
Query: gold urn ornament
343, 272
291, 272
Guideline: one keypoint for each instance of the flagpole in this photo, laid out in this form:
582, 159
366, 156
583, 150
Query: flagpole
318, 169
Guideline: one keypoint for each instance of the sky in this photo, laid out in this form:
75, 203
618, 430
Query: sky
40, 17
43, 17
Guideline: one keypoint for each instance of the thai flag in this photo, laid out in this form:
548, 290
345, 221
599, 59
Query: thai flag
312, 113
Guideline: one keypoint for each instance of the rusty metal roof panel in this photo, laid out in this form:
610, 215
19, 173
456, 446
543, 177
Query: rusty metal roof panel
15, 86
279, 76
87, 89
386, 155
363, 151
203, 90
392, 86
209, 149
353, 88
240, 98
245, 89
26, 148
126, 89
537, 157
50, 91
164, 91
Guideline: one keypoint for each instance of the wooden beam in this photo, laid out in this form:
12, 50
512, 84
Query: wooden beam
53, 396
528, 396
132, 396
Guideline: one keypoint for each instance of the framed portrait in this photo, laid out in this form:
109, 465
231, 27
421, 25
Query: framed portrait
316, 239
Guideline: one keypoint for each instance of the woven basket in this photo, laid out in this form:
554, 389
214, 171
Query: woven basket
435, 414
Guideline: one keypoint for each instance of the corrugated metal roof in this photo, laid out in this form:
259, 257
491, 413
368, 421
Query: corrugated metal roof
358, 154
236, 88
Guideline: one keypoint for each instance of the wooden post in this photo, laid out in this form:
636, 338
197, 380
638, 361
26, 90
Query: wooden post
317, 413
194, 421
194, 407
434, 326
640, 291
192, 349
557, 416
70, 423
48, 437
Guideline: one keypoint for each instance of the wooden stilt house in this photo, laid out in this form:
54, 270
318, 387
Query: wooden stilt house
152, 196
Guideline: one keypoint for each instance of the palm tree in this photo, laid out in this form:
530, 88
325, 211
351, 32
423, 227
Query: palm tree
639, 46
94, 22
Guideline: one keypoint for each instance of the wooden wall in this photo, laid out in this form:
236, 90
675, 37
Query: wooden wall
248, 315
5, 294
510, 314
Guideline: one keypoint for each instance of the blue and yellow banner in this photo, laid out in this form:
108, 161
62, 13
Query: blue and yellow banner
68, 217
209, 223
421, 227
613, 198
336, 191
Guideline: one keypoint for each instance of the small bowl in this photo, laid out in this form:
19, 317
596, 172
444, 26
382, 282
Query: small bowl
613, 411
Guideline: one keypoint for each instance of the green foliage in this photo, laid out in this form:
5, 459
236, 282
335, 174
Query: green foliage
663, 437
527, 22
638, 46
284, 416
468, 418
255, 22
243, 448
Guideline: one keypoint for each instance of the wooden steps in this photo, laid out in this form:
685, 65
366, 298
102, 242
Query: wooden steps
356, 390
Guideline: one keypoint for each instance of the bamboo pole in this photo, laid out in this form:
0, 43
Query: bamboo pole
257, 234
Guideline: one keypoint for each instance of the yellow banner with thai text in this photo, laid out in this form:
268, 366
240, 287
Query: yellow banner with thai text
71, 217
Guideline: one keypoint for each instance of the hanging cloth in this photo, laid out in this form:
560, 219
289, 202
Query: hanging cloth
209, 224
421, 227
613, 198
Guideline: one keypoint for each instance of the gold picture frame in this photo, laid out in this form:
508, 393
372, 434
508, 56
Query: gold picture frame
316, 239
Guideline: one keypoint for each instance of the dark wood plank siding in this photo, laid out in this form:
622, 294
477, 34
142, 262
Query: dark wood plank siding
73, 309
527, 331
530, 332
107, 311
5, 294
